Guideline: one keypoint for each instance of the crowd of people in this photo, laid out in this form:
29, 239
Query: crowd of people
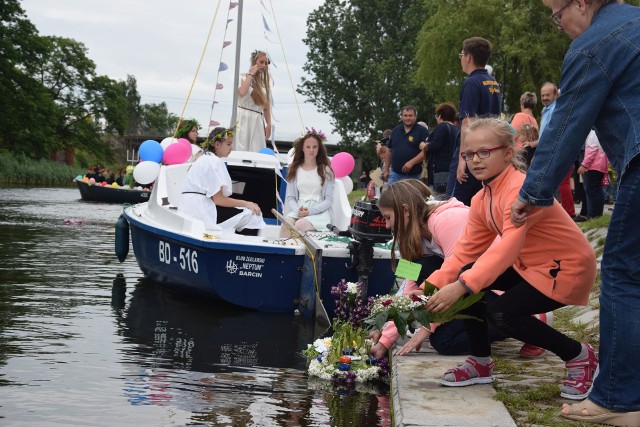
503, 220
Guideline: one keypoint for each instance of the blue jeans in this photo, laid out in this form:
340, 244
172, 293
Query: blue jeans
395, 176
594, 194
617, 387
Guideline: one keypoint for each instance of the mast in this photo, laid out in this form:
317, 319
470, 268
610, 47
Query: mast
236, 68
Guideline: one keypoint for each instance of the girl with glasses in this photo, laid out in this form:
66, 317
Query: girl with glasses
542, 266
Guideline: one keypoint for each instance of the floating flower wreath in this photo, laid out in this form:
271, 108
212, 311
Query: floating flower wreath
344, 357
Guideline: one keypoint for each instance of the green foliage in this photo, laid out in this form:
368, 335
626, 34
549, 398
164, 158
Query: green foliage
528, 48
360, 63
21, 170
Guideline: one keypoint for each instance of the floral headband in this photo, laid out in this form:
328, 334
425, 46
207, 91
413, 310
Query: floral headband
217, 135
187, 127
313, 132
256, 53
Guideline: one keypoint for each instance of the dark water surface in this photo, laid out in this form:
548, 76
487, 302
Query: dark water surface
85, 340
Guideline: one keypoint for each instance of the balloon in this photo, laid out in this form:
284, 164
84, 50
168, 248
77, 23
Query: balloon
92, 181
342, 164
150, 151
114, 185
290, 155
267, 150
347, 183
184, 141
167, 142
85, 179
79, 177
146, 172
175, 154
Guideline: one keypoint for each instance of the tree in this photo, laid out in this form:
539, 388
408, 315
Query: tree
361, 64
28, 112
130, 90
155, 119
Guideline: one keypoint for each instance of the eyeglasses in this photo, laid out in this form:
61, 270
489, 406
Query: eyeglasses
467, 156
557, 17
461, 54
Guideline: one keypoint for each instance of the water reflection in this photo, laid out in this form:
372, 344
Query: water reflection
85, 341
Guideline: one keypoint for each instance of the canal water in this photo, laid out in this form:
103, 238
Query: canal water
86, 340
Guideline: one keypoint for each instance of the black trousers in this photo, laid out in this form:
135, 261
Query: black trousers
512, 315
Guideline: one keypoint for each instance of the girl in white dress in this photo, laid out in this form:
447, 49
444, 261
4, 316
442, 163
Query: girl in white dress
310, 184
253, 123
207, 187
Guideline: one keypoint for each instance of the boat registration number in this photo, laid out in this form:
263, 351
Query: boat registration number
187, 259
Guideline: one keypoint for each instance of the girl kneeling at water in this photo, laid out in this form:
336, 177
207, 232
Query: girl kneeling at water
542, 266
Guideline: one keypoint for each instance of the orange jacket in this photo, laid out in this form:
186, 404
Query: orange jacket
549, 251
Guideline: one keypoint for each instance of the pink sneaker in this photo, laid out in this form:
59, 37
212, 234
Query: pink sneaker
531, 351
580, 376
469, 373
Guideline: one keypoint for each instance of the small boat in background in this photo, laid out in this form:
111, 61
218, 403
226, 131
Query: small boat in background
108, 194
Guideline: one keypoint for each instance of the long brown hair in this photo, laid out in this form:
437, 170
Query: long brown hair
409, 195
322, 159
261, 93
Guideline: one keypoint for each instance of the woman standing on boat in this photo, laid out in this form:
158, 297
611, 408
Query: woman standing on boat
207, 187
254, 106
310, 183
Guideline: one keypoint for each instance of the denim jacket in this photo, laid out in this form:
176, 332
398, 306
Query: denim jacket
600, 86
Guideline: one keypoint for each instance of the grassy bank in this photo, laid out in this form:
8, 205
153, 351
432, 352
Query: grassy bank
21, 170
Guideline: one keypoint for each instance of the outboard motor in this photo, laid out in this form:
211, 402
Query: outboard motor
367, 227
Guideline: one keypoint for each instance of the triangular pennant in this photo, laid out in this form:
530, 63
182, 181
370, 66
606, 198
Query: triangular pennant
214, 123
232, 5
223, 67
264, 22
226, 43
219, 86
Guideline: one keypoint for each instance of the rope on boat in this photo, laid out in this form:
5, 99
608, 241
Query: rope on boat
204, 50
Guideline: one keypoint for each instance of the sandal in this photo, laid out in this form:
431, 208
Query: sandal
589, 412
469, 373
580, 376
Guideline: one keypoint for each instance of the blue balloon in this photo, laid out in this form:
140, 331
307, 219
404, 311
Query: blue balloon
151, 151
267, 150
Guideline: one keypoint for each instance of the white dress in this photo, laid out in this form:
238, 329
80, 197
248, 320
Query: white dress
206, 176
310, 194
249, 135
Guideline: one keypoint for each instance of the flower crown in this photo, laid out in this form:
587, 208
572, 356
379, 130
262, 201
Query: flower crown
256, 53
187, 127
313, 132
217, 135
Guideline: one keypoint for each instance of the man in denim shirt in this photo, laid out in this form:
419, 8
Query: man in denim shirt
600, 86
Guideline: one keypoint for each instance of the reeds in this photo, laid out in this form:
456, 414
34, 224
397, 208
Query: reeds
21, 170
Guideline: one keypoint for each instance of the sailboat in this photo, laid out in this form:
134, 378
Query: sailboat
263, 272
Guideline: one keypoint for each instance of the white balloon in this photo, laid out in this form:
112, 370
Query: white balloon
167, 142
290, 155
146, 172
347, 183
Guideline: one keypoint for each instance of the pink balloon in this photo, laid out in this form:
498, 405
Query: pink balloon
185, 141
176, 154
342, 164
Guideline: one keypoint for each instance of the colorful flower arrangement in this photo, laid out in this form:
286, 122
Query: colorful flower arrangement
409, 311
344, 357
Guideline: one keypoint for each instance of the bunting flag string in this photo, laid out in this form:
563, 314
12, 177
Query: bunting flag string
233, 5
223, 67
214, 123
226, 43
219, 86
264, 22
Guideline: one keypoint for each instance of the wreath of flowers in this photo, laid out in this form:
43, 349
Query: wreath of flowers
187, 127
344, 357
220, 136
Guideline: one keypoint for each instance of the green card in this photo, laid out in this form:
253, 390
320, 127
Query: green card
408, 270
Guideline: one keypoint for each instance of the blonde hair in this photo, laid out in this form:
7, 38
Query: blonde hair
504, 136
409, 194
261, 93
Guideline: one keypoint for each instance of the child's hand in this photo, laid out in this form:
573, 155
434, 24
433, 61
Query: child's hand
379, 351
415, 342
444, 298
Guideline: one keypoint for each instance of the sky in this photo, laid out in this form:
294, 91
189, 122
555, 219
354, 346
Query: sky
161, 42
